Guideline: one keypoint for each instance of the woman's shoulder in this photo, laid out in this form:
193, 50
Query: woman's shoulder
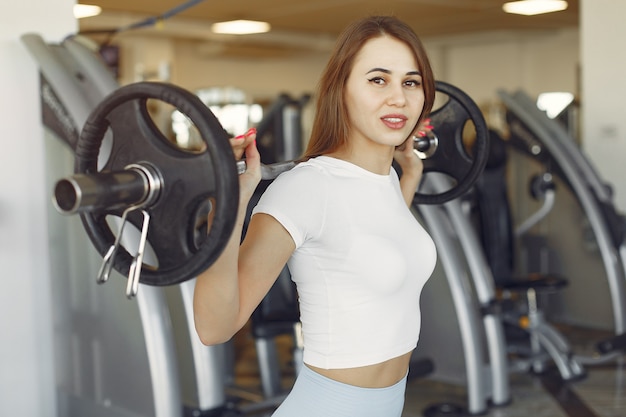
294, 194
311, 170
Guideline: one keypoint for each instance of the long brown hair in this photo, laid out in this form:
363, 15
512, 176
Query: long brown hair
330, 127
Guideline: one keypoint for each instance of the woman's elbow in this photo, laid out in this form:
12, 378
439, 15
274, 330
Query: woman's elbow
211, 338
214, 334
210, 334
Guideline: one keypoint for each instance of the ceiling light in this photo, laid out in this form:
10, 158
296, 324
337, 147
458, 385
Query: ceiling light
240, 27
86, 10
554, 103
533, 7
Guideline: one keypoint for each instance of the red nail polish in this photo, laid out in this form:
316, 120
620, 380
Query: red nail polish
251, 131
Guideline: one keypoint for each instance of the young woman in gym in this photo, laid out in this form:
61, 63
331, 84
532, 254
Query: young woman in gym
341, 221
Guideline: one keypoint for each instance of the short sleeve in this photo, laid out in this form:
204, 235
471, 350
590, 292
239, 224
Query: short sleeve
297, 200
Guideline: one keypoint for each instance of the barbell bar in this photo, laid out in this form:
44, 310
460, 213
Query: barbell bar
166, 192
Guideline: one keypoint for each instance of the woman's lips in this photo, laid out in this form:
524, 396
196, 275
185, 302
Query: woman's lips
394, 121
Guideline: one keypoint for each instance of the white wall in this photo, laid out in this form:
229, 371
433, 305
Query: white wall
26, 358
260, 78
604, 89
481, 64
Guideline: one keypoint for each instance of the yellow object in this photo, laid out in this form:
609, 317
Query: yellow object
524, 322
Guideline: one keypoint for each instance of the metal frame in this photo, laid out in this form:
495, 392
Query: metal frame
485, 381
588, 188
78, 95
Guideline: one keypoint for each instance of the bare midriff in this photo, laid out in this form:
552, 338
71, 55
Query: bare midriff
380, 375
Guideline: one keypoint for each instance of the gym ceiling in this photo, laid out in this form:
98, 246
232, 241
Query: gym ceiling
309, 21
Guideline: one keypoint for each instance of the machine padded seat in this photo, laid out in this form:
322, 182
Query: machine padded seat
538, 282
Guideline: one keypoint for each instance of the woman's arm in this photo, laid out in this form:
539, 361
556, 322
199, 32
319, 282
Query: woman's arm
227, 293
411, 164
412, 168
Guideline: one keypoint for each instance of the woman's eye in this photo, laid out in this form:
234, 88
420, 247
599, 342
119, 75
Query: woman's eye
412, 83
377, 80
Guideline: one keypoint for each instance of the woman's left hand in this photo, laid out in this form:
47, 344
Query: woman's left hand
408, 160
411, 164
405, 155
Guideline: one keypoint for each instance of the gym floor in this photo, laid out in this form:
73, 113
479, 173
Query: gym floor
602, 393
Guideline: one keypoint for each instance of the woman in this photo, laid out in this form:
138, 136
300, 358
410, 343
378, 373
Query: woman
341, 221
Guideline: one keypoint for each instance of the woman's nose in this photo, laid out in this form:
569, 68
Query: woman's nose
396, 96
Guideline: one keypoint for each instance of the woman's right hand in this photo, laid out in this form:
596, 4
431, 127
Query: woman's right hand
246, 145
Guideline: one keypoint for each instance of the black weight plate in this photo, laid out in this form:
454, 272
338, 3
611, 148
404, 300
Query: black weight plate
450, 156
189, 180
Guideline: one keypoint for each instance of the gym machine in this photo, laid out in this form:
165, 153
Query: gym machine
531, 338
479, 359
484, 350
73, 81
548, 141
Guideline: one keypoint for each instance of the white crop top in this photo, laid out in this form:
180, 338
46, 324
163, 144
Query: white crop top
360, 263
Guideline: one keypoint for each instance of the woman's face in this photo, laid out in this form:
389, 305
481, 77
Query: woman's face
384, 94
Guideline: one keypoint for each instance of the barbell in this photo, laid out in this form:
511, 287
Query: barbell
167, 192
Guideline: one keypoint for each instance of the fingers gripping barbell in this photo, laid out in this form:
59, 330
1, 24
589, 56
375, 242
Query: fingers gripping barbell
165, 191
445, 150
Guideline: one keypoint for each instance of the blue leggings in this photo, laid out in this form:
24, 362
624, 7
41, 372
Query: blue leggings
314, 395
